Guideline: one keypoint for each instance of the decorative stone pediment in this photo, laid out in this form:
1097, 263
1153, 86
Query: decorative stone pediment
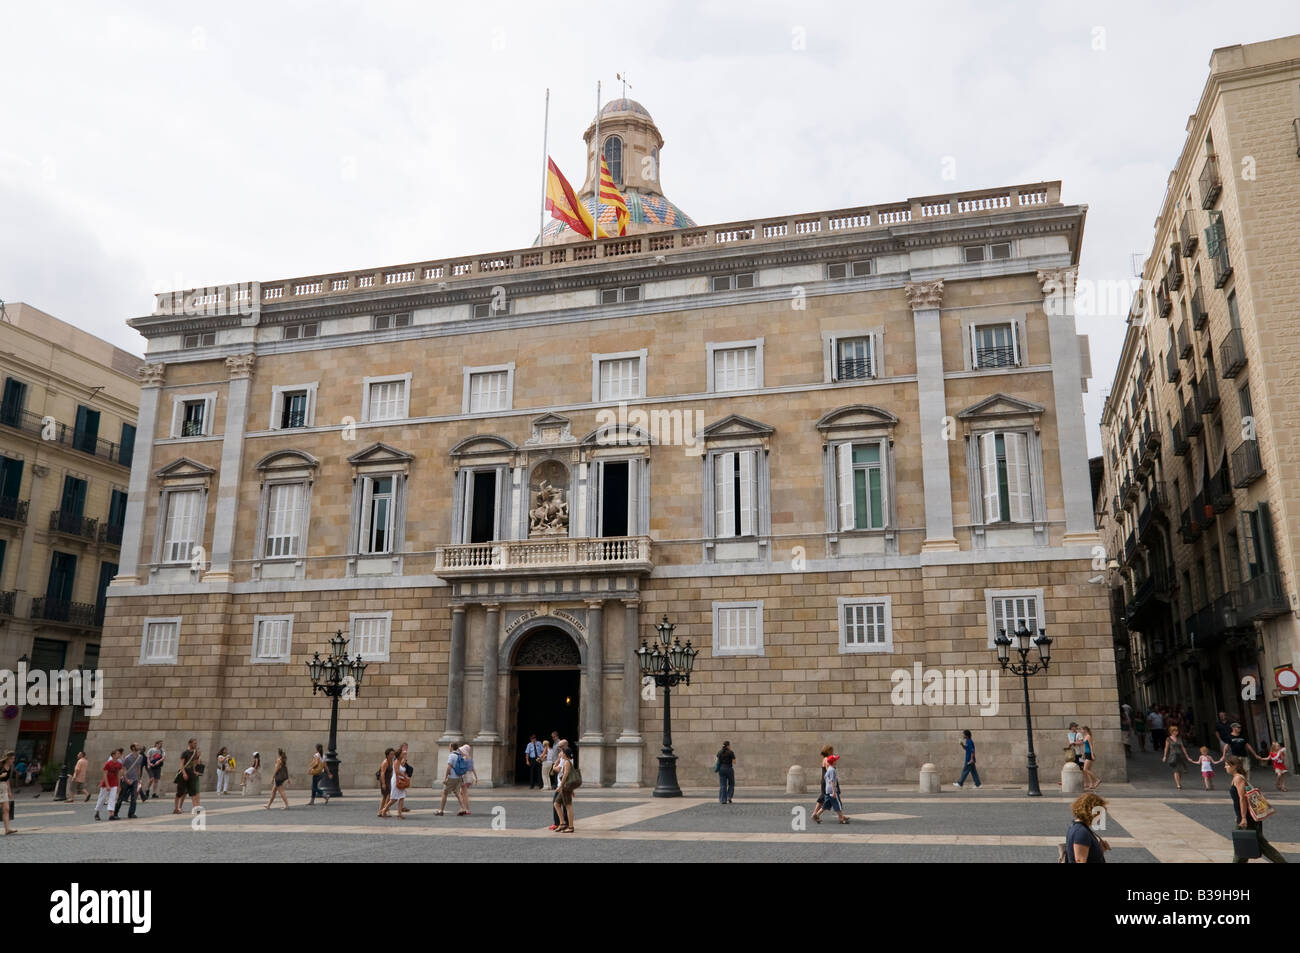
857, 420
380, 456
1002, 410
617, 435
185, 472
548, 430
734, 425
483, 444
282, 461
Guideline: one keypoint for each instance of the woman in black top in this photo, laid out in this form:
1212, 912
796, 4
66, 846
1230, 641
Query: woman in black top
726, 773
6, 794
1237, 791
279, 780
1082, 846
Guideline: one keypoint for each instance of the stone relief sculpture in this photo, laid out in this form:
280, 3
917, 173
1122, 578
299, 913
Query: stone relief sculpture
549, 514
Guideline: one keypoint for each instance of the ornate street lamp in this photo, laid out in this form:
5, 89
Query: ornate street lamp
669, 665
333, 675
1024, 668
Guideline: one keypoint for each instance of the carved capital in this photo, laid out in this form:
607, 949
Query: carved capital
151, 375
924, 294
1056, 281
240, 366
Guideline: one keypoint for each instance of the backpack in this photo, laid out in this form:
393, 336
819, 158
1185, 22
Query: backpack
462, 765
573, 779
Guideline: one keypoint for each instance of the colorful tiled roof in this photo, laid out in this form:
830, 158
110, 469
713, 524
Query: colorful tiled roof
645, 208
624, 106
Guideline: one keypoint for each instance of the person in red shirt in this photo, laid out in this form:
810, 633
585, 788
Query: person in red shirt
108, 784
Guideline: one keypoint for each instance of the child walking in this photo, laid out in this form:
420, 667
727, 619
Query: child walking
1277, 755
1207, 767
833, 802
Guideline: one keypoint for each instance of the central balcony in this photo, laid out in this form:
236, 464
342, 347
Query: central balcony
13, 509
73, 524
70, 613
544, 556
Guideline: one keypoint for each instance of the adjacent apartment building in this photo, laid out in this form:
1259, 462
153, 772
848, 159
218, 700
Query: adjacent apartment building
1201, 507
67, 434
838, 450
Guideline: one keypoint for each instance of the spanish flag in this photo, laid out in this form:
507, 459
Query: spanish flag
610, 195
564, 205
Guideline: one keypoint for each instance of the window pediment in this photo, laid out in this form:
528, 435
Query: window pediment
380, 456
481, 445
185, 470
549, 429
619, 435
734, 428
287, 462
857, 420
1001, 410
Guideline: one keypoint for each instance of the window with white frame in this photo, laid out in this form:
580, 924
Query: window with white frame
866, 625
192, 415
620, 295
1005, 477
160, 641
489, 391
998, 251
486, 309
738, 628
994, 345
382, 322
861, 485
386, 397
272, 637
735, 493
618, 376
736, 282
1013, 609
370, 635
286, 505
182, 525
737, 366
855, 358
202, 339
377, 514
307, 329
849, 269
293, 406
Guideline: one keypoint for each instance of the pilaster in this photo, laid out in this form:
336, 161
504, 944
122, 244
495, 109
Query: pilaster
926, 298
240, 367
151, 381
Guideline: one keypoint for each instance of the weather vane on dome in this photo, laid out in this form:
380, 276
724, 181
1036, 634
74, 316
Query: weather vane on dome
622, 78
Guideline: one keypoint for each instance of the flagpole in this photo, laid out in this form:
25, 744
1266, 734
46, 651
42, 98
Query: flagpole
599, 154
546, 129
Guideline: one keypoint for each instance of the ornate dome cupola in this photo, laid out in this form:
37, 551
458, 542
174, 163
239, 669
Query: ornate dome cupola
631, 143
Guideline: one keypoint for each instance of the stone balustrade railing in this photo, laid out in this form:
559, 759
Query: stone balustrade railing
548, 554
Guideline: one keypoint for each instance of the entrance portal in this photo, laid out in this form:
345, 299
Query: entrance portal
545, 682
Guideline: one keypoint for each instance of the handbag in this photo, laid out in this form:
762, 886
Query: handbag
573, 779
717, 766
317, 768
403, 782
1245, 844
1257, 805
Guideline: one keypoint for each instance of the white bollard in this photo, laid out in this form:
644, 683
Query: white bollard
929, 779
1071, 778
794, 782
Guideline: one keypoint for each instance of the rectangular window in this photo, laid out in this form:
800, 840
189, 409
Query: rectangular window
73, 502
382, 322
999, 251
116, 509
1011, 610
994, 345
376, 516
738, 628
618, 497
293, 411
1005, 477
1243, 400
284, 519
295, 332
489, 391
193, 418
865, 625
272, 636
160, 641
126, 449
735, 369
860, 489
370, 635
386, 400
182, 526
11, 483
620, 379
854, 359
619, 295
847, 269
11, 408
486, 309
204, 339
85, 434
735, 496
737, 282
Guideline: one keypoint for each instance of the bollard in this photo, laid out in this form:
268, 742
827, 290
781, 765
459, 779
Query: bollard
1071, 778
794, 782
929, 779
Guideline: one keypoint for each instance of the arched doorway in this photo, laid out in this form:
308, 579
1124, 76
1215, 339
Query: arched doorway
545, 686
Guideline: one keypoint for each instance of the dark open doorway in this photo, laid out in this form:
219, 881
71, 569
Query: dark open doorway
546, 681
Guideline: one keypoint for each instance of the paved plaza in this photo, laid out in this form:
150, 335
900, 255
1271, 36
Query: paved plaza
1148, 822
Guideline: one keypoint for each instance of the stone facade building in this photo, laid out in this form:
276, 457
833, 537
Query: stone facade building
67, 430
1201, 508
828, 447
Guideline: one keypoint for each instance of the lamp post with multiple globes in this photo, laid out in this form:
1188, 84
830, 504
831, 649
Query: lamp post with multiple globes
334, 675
1024, 668
668, 665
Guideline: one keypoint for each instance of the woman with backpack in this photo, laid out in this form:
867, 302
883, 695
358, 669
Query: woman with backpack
317, 769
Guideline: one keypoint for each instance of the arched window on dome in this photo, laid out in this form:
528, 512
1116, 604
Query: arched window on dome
614, 159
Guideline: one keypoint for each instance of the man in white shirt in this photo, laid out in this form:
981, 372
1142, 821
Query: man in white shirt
533, 759
1156, 725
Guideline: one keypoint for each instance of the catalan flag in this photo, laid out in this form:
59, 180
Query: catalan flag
563, 204
610, 195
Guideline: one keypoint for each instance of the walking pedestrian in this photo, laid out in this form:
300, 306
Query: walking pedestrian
1082, 845
318, 769
726, 768
1140, 728
279, 779
569, 779
833, 802
108, 784
534, 751
1223, 728
1156, 727
1238, 791
1240, 748
7, 791
384, 777
252, 773
453, 779
1126, 728
555, 754
1277, 755
79, 777
154, 759
968, 746
468, 778
1173, 745
1090, 780
401, 781
547, 762
826, 752
1074, 737
187, 778
223, 770
1207, 763
129, 785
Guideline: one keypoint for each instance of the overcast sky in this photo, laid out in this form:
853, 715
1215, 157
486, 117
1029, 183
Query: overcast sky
147, 148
